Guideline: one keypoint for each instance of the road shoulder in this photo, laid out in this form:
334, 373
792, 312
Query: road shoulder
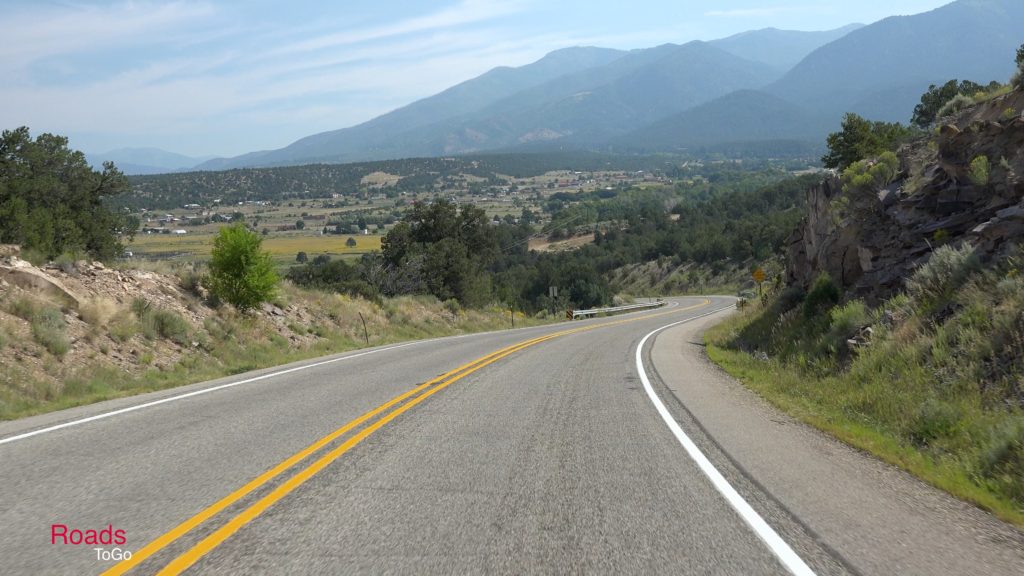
876, 518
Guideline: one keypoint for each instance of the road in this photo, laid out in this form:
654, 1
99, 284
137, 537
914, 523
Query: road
541, 450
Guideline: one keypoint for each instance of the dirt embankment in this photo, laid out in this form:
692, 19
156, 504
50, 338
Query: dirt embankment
83, 331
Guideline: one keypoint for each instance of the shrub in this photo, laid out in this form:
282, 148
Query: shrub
788, 299
871, 175
167, 324
122, 327
453, 306
979, 172
191, 281
823, 295
240, 272
934, 282
46, 323
155, 322
140, 307
48, 329
845, 319
24, 308
956, 105
1003, 458
97, 312
932, 420
66, 262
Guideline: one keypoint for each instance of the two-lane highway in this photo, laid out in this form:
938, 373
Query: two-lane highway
533, 450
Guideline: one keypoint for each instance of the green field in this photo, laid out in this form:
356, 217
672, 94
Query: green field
198, 246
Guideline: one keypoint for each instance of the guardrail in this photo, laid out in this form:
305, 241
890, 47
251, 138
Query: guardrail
574, 314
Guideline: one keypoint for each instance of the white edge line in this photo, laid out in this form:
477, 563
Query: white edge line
193, 393
790, 559
80, 421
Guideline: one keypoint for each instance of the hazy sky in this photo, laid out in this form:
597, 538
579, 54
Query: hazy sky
223, 78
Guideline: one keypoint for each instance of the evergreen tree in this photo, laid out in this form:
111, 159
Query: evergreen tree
52, 201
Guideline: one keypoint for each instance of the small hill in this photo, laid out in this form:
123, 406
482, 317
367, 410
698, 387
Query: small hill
146, 160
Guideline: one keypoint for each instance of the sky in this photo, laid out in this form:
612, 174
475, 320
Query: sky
225, 78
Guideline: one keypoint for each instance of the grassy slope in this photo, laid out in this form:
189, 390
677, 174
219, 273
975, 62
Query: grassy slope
225, 343
937, 391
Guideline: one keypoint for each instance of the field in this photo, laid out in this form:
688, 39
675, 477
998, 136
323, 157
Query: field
284, 248
292, 225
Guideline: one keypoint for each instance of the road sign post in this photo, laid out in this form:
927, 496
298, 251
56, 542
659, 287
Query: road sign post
758, 275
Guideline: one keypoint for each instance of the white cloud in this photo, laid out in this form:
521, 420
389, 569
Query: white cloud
37, 32
749, 12
466, 12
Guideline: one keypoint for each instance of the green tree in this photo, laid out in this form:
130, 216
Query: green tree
936, 97
450, 246
301, 257
351, 242
860, 138
53, 202
240, 272
299, 224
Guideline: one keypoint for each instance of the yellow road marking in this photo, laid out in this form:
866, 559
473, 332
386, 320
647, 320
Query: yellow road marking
262, 479
182, 562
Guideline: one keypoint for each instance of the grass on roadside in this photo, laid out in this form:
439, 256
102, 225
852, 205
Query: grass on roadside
935, 390
231, 343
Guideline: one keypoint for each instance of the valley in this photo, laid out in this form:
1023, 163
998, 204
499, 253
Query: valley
503, 288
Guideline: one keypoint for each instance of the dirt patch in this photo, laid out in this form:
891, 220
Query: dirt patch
574, 243
380, 179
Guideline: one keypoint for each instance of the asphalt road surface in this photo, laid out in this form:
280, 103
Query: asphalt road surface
541, 450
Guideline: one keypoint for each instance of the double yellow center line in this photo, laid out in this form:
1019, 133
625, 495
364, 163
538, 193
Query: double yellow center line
403, 403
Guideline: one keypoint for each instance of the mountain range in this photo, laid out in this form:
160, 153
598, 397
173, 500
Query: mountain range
146, 160
761, 86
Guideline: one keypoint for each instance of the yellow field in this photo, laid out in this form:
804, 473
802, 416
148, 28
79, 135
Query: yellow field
201, 245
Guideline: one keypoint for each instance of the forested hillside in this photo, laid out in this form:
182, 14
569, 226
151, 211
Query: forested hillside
458, 254
319, 180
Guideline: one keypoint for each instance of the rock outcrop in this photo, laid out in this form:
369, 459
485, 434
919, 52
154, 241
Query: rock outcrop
870, 242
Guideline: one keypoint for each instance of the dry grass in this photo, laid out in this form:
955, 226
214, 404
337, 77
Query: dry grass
543, 245
380, 179
98, 311
152, 347
202, 245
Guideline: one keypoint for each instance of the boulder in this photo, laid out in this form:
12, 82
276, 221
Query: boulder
24, 275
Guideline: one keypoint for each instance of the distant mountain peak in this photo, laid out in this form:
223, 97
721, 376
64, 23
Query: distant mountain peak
754, 86
780, 49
